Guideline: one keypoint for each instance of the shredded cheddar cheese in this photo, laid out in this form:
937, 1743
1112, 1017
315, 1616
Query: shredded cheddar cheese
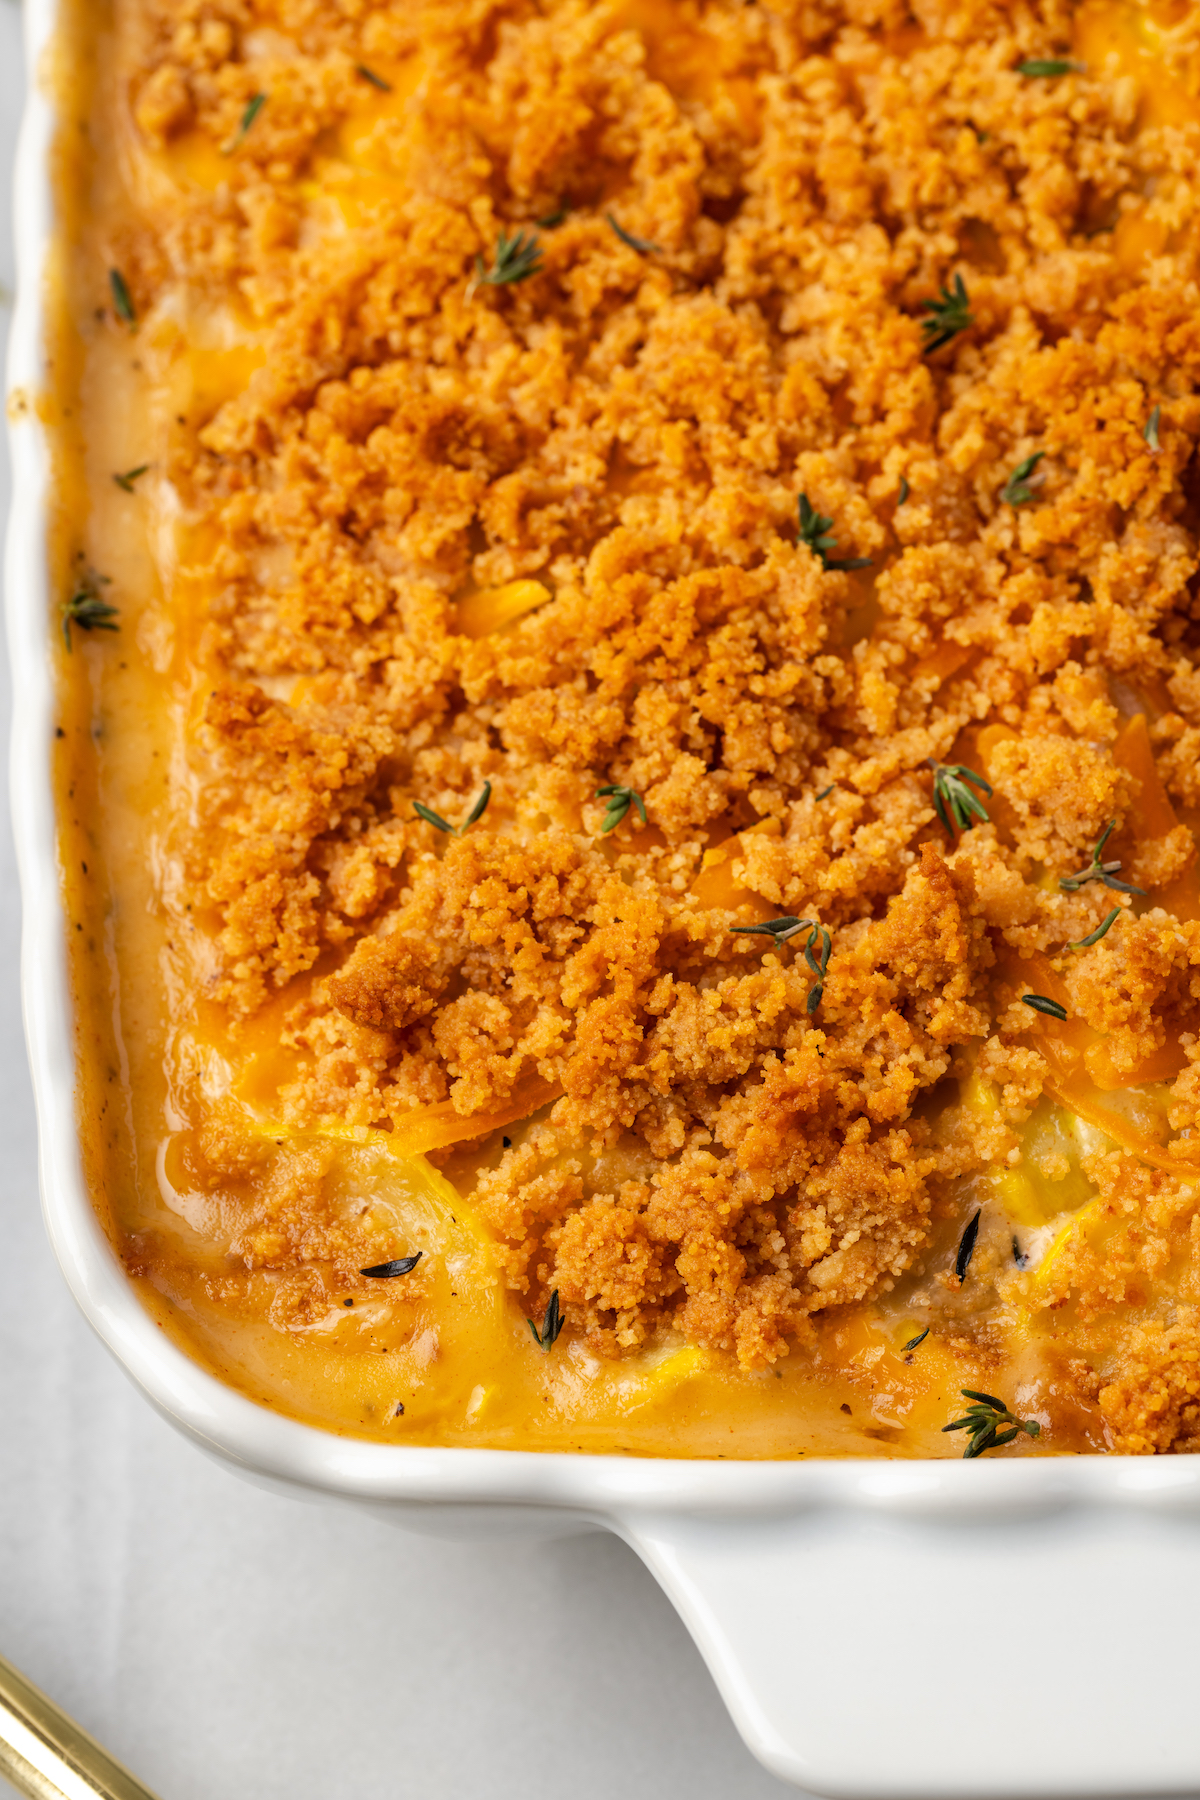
742, 406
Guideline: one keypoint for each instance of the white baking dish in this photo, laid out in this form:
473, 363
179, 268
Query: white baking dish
876, 1629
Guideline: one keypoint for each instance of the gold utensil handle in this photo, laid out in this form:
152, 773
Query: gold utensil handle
45, 1755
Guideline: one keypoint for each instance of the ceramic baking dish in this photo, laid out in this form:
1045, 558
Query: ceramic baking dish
894, 1630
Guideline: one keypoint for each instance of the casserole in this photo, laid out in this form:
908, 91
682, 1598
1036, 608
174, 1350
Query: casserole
773, 1567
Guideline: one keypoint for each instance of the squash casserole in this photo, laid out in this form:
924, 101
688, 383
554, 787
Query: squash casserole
625, 582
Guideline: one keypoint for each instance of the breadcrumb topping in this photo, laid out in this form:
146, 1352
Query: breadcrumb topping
627, 434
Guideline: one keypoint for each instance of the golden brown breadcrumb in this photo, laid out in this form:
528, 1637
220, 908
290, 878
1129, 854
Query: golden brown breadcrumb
725, 1156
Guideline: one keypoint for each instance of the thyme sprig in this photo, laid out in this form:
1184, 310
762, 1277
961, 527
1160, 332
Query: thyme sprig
88, 608
126, 480
552, 1324
1046, 66
122, 298
400, 1265
957, 807
949, 314
782, 930
1150, 432
966, 1247
515, 258
620, 799
1040, 1004
1097, 870
476, 813
643, 246
254, 106
1019, 490
984, 1419
1094, 937
817, 532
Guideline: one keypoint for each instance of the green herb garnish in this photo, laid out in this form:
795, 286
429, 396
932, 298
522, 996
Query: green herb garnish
516, 258
1043, 66
825, 792
1095, 936
643, 246
386, 1271
1100, 871
913, 1342
966, 1248
253, 107
983, 1421
1040, 1004
1018, 490
435, 819
122, 298
87, 608
957, 807
552, 1324
127, 480
787, 927
948, 315
620, 799
385, 87
1151, 431
551, 220
816, 532
904, 490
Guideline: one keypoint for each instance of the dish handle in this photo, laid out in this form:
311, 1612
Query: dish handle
869, 1657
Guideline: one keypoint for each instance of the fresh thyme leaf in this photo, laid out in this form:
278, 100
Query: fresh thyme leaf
904, 490
816, 532
966, 1248
477, 811
127, 480
436, 820
1100, 871
643, 246
913, 1342
87, 608
949, 314
957, 807
1018, 490
253, 107
386, 1271
620, 799
825, 792
122, 298
819, 964
552, 1324
780, 929
515, 258
788, 927
553, 219
1044, 66
431, 818
1040, 1004
1095, 936
1151, 431
983, 1421
385, 87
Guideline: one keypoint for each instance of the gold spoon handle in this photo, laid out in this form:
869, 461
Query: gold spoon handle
45, 1755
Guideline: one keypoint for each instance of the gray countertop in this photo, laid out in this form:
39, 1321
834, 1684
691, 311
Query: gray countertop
226, 1642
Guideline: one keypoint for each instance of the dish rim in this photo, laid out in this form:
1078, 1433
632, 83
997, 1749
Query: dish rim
217, 1416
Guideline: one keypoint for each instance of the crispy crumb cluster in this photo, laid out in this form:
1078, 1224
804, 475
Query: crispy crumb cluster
632, 430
